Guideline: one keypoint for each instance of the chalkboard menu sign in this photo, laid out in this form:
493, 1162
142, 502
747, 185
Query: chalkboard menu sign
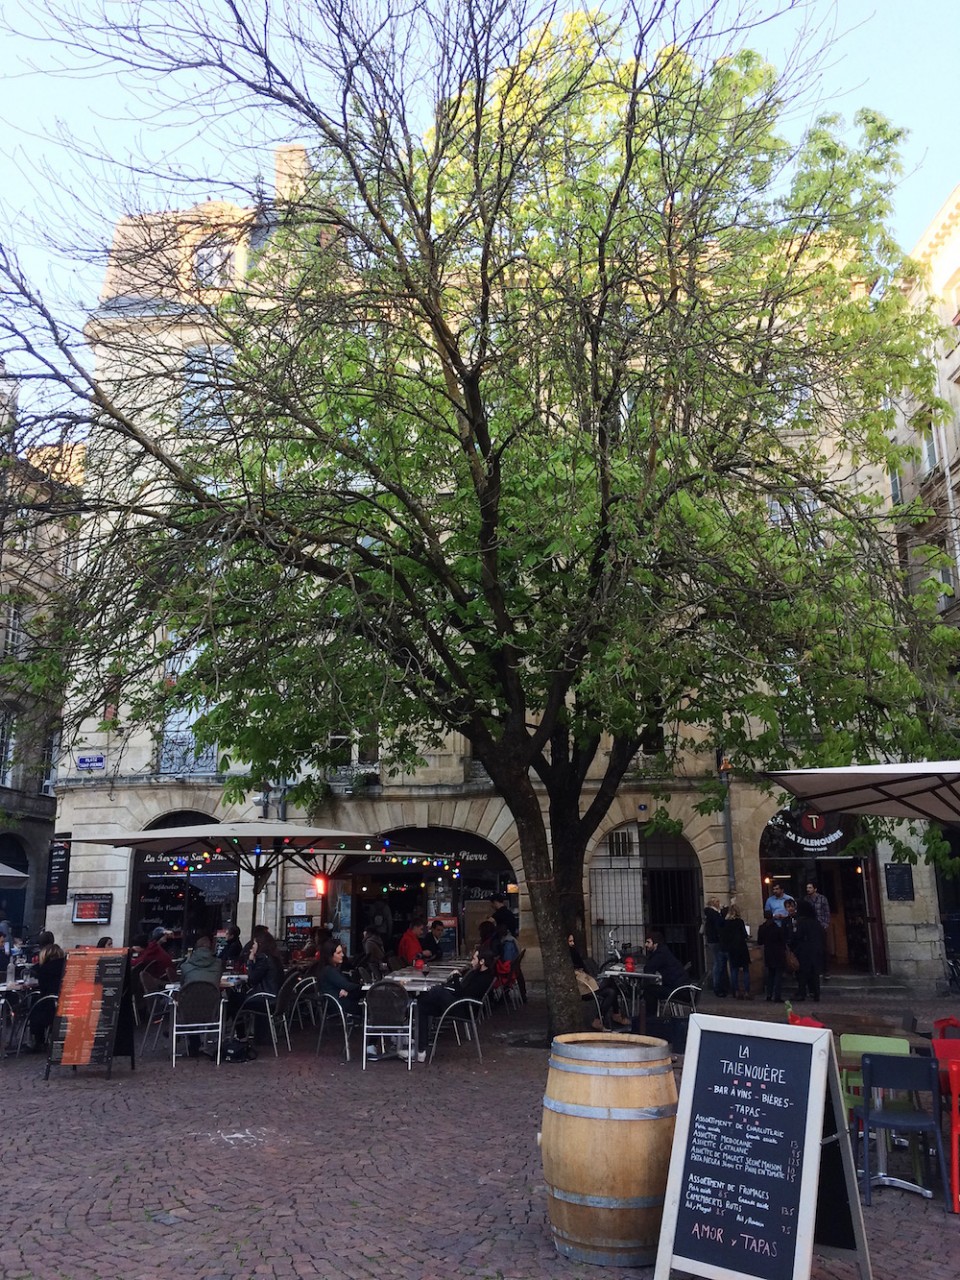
58, 873
899, 877
94, 1019
759, 1117
297, 933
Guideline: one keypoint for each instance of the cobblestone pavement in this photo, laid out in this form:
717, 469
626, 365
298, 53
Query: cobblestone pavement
303, 1166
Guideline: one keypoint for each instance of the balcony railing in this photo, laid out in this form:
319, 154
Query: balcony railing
179, 754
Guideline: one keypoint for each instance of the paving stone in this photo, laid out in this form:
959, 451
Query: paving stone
299, 1168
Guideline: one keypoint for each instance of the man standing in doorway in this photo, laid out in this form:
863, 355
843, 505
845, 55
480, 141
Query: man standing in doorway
776, 904
821, 908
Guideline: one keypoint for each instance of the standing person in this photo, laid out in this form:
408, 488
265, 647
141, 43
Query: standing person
508, 930
808, 948
503, 915
772, 938
776, 903
733, 935
716, 956
821, 909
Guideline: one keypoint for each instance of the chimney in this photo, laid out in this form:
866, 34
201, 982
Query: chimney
291, 170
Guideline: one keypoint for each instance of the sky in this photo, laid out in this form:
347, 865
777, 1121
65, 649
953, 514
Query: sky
900, 59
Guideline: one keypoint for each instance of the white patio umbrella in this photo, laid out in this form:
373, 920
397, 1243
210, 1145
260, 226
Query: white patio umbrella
254, 847
927, 789
10, 878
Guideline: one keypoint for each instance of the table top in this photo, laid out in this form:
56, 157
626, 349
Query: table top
635, 975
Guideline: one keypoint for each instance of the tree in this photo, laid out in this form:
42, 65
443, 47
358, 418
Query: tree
548, 408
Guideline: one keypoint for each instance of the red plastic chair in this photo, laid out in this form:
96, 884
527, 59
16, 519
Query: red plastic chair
946, 1051
953, 1074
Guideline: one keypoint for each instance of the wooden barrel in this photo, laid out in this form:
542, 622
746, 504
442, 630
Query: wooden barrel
608, 1119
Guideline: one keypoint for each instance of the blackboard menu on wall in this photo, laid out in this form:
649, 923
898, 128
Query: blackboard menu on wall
756, 1108
94, 1019
58, 873
899, 878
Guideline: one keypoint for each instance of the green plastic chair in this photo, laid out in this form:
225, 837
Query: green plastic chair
851, 1078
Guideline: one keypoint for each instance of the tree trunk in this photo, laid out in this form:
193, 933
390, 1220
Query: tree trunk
564, 1008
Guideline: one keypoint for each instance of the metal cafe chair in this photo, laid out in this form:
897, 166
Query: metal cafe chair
158, 1003
332, 1011
912, 1076
462, 1013
198, 1011
387, 1012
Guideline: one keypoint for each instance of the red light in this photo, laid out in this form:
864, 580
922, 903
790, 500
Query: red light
321, 884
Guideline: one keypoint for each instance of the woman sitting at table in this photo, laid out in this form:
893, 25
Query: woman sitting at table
432, 1003
605, 990
264, 966
334, 982
48, 972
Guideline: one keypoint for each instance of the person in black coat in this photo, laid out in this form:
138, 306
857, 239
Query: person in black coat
734, 938
49, 975
808, 946
771, 937
660, 959
432, 1003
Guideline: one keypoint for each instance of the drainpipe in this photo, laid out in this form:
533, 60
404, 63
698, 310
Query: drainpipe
725, 770
951, 496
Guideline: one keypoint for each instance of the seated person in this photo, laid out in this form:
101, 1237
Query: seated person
264, 966
660, 959
201, 965
432, 1003
605, 990
374, 956
232, 948
410, 946
154, 961
332, 981
48, 972
430, 942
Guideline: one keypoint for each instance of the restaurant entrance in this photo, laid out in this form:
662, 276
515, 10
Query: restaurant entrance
451, 876
189, 894
799, 847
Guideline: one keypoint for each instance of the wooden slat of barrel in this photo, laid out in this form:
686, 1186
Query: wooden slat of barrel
609, 1113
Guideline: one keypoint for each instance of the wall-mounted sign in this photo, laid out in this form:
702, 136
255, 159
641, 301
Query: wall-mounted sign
92, 908
58, 873
92, 760
761, 1171
899, 878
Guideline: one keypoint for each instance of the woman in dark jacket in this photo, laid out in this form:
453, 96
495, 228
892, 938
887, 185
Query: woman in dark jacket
807, 946
264, 966
49, 975
772, 938
333, 982
733, 939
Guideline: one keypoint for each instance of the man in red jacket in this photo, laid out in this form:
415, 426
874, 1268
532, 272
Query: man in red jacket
410, 945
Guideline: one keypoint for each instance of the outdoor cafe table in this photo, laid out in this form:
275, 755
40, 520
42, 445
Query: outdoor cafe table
633, 983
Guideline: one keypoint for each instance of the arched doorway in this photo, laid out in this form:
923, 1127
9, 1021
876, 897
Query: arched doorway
13, 896
452, 878
640, 882
191, 896
798, 846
